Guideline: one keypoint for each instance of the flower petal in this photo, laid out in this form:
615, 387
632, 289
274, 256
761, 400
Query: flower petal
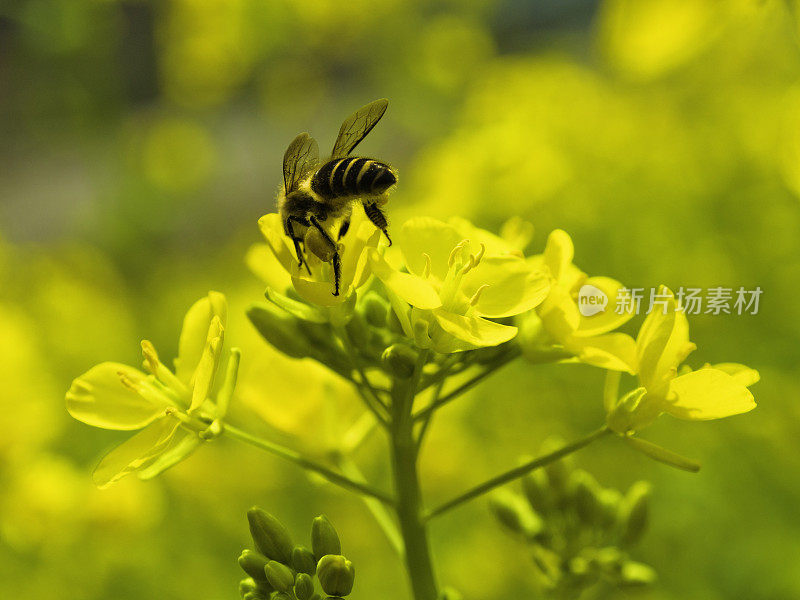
662, 344
613, 351
263, 263
136, 452
355, 264
194, 334
474, 330
181, 445
203, 377
608, 319
423, 235
708, 394
513, 288
558, 254
272, 229
559, 314
412, 289
99, 398
494, 244
741, 373
318, 292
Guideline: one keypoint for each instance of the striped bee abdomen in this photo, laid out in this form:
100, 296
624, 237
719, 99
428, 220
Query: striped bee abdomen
352, 176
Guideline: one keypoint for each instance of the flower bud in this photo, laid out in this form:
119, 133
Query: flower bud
357, 331
637, 574
610, 559
610, 500
585, 492
514, 514
400, 360
279, 329
247, 585
270, 536
375, 309
303, 586
422, 335
324, 539
303, 560
548, 565
537, 491
253, 564
449, 593
634, 512
280, 576
254, 596
632, 412
336, 575
557, 471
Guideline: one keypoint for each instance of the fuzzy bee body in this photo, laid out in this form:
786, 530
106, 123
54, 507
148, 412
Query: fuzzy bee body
315, 193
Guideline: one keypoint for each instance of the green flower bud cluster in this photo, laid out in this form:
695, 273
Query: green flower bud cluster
303, 330
579, 532
279, 570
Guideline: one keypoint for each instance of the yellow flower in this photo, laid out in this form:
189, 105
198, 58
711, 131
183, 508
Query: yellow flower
712, 392
558, 320
458, 278
317, 287
173, 410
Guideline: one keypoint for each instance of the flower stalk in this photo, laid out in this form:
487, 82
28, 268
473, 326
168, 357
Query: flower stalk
516, 473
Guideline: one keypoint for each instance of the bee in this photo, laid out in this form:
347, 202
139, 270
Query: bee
315, 192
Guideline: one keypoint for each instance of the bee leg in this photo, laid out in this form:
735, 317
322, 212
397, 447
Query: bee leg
335, 260
378, 219
337, 272
301, 261
343, 229
298, 241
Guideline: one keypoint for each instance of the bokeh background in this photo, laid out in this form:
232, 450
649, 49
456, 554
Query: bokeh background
140, 142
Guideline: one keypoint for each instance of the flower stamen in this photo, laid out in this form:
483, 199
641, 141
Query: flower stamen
477, 295
426, 270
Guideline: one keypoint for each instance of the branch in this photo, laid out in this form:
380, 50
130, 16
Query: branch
310, 465
365, 388
467, 385
517, 472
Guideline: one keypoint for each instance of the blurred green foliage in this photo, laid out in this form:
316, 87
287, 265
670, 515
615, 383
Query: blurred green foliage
140, 142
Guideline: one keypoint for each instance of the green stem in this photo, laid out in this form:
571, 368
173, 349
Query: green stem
308, 464
517, 472
409, 497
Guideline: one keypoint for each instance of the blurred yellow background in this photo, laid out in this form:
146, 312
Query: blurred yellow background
140, 142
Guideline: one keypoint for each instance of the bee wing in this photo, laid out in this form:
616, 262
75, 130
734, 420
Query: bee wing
301, 155
357, 126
